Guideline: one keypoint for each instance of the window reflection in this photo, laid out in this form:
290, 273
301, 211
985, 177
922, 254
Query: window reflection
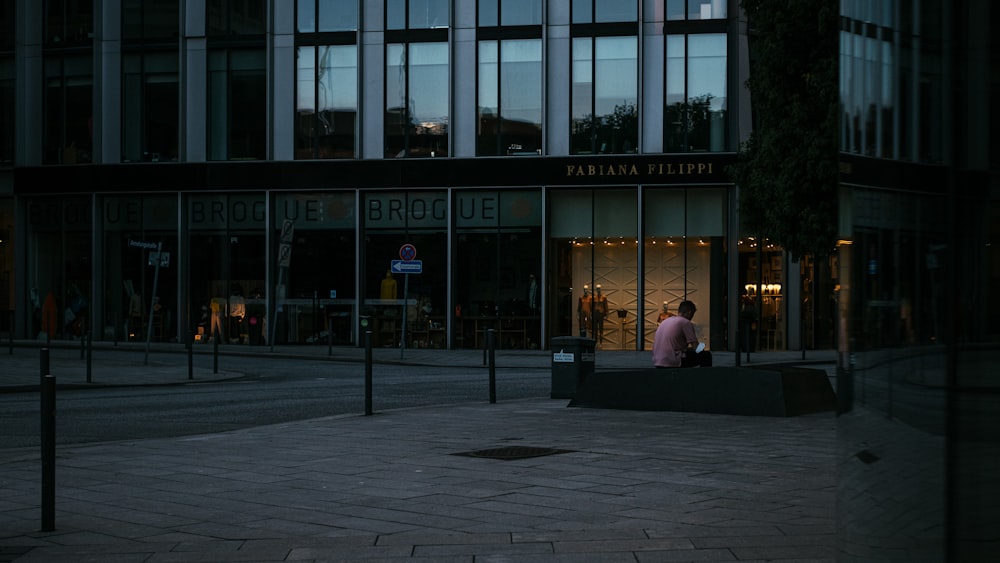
510, 97
696, 9
695, 116
326, 101
417, 98
604, 95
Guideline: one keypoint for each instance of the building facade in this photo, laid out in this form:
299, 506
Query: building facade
551, 168
920, 181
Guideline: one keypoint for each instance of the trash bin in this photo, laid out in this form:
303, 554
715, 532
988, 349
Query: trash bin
572, 362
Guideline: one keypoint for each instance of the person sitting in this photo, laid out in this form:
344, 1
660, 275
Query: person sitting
676, 344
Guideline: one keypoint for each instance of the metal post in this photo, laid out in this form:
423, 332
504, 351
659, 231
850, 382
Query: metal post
90, 355
491, 345
739, 345
190, 351
215, 352
329, 336
152, 300
10, 331
43, 364
368, 372
48, 412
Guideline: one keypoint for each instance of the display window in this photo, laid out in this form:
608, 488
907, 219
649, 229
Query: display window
60, 275
498, 285
406, 304
140, 294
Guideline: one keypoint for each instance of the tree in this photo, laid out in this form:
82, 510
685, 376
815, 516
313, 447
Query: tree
787, 169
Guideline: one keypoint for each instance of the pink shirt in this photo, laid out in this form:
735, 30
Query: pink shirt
671, 341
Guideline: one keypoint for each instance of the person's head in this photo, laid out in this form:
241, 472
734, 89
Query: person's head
686, 309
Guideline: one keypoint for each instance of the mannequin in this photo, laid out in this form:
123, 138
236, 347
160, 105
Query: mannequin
664, 314
600, 312
237, 312
532, 295
388, 290
583, 309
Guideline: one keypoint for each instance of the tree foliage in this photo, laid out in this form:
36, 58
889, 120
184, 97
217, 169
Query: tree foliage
787, 169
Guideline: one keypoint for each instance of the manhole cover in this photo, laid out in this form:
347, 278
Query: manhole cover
513, 452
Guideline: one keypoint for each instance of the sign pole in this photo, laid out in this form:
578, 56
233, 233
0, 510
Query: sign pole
406, 293
152, 300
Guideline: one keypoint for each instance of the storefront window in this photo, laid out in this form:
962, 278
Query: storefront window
594, 265
134, 229
228, 263
317, 271
406, 307
684, 259
499, 286
60, 280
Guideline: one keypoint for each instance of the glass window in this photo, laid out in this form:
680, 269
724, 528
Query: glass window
696, 9
68, 22
228, 259
417, 100
68, 110
604, 95
150, 102
509, 12
59, 231
150, 19
129, 283
695, 116
235, 17
327, 101
416, 14
6, 110
605, 11
237, 105
510, 97
334, 15
499, 238
405, 308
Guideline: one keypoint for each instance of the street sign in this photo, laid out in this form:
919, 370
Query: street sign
287, 231
407, 252
142, 244
407, 266
164, 259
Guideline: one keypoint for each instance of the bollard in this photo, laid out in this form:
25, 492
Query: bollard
190, 352
486, 345
491, 345
90, 355
739, 346
215, 352
48, 412
43, 364
368, 372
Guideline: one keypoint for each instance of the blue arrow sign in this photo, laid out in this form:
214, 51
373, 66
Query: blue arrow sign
407, 267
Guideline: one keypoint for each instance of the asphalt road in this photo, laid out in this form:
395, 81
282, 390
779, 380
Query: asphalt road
273, 391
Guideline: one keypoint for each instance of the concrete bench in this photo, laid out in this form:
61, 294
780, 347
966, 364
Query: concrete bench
759, 391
